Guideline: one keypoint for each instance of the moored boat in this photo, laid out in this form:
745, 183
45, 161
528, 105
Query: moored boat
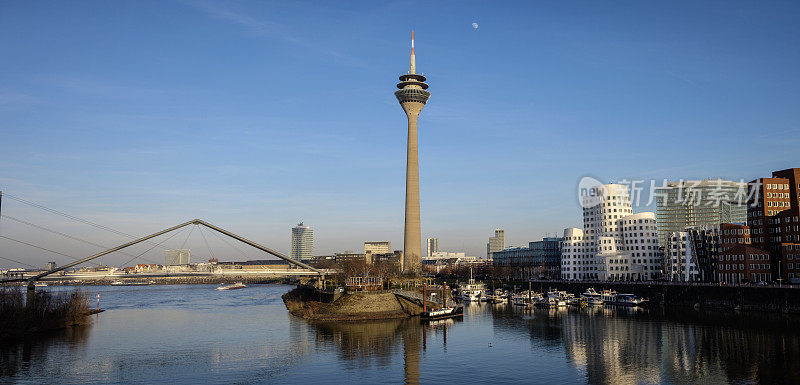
592, 297
233, 286
629, 300
471, 291
445, 312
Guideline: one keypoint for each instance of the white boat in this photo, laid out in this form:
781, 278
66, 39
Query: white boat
592, 297
628, 300
445, 312
560, 298
129, 283
526, 298
233, 286
471, 291
608, 296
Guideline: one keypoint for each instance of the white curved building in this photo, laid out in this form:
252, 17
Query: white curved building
615, 244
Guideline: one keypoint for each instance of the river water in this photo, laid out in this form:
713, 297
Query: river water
193, 334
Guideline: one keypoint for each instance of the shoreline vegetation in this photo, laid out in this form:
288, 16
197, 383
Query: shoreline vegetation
48, 312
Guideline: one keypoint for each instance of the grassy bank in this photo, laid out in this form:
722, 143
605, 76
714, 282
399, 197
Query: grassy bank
48, 311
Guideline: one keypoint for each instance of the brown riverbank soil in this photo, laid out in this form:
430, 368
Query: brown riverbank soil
310, 304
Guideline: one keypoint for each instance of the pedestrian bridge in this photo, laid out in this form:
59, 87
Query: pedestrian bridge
306, 269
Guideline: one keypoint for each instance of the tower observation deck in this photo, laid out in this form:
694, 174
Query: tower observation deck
412, 95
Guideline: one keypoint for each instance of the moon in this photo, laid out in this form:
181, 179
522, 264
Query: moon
475, 25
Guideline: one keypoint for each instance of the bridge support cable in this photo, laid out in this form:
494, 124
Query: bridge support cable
40, 248
211, 253
15, 261
153, 247
68, 216
102, 247
244, 255
187, 237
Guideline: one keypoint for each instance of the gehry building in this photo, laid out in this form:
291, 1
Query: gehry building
614, 244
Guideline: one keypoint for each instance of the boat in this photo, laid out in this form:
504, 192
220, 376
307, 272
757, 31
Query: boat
471, 291
628, 300
40, 284
129, 283
546, 302
578, 301
499, 296
445, 312
592, 297
608, 296
233, 286
560, 297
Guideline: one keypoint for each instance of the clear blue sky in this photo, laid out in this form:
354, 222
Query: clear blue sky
257, 115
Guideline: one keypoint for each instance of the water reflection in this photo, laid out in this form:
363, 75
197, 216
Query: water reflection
364, 344
633, 345
188, 335
17, 358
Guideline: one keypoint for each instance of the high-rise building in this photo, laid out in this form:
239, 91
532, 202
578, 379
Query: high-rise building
176, 257
615, 243
496, 243
379, 247
412, 96
302, 242
50, 266
432, 246
692, 203
773, 216
540, 260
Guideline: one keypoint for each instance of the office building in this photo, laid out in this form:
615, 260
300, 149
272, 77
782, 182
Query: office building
496, 243
432, 246
540, 260
691, 255
176, 257
412, 96
692, 203
773, 216
50, 266
379, 247
614, 244
302, 242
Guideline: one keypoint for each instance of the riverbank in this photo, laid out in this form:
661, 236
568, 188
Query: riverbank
47, 312
771, 299
312, 304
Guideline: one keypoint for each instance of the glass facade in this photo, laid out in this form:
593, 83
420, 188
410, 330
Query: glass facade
698, 203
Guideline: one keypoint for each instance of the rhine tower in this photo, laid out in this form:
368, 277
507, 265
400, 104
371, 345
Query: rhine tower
412, 95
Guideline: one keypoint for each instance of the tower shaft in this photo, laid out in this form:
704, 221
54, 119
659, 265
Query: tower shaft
412, 243
412, 96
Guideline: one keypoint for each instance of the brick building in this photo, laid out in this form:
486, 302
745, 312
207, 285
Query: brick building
773, 215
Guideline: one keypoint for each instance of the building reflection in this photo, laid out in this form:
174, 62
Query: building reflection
631, 346
362, 345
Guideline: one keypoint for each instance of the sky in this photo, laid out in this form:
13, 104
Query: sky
256, 115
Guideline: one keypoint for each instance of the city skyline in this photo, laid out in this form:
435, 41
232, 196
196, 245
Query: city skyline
206, 110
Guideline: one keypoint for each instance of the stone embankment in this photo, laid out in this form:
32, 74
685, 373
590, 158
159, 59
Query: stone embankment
311, 304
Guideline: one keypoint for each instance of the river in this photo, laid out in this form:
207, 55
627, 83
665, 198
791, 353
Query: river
192, 334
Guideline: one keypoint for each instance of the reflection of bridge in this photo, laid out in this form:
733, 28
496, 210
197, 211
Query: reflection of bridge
31, 280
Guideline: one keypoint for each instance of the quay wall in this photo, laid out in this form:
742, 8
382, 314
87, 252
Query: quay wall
749, 298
